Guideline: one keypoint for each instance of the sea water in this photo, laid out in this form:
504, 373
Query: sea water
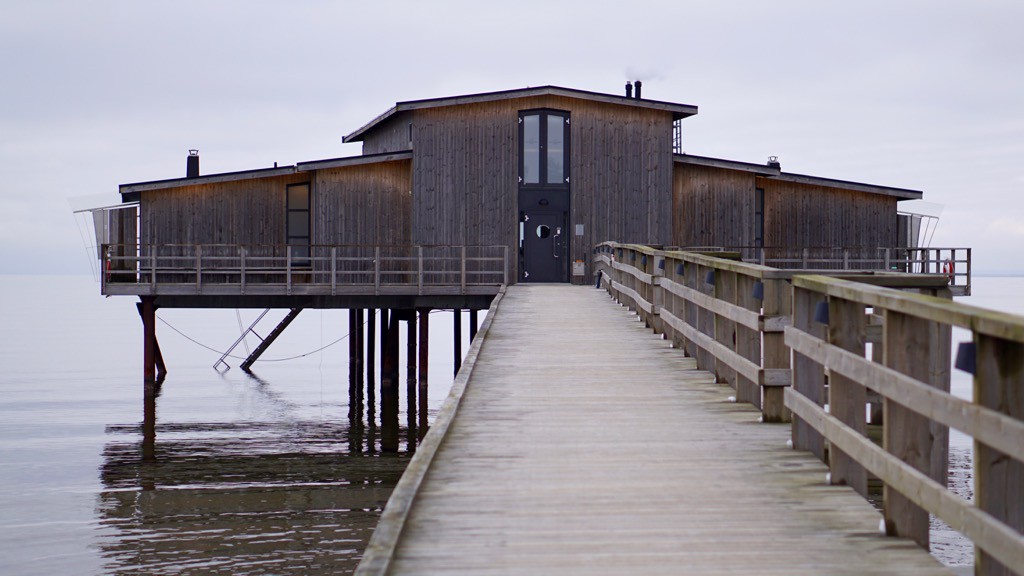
269, 473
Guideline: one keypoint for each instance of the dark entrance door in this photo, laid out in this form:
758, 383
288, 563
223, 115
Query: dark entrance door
543, 196
543, 246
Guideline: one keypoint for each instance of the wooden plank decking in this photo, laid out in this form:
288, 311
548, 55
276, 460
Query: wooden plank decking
584, 444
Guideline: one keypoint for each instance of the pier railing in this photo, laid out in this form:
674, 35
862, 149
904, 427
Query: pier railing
953, 263
829, 350
232, 269
832, 375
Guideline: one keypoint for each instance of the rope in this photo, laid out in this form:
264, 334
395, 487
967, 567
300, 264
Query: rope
214, 350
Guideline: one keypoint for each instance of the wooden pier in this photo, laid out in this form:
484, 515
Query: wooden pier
578, 442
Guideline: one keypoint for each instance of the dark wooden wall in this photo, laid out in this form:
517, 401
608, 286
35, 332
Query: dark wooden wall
712, 206
806, 215
365, 204
465, 174
242, 212
390, 136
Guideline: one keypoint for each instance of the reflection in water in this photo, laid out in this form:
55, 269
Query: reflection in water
281, 497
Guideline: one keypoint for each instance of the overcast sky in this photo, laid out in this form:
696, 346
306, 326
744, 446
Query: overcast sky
924, 94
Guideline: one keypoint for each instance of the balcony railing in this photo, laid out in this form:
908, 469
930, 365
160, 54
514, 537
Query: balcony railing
954, 263
232, 269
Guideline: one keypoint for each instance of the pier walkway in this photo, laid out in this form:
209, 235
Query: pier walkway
585, 444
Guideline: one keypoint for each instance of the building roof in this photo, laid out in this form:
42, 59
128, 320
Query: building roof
762, 169
901, 193
130, 192
778, 174
678, 110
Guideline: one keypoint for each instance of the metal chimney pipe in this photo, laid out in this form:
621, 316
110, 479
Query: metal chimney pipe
192, 164
638, 86
629, 89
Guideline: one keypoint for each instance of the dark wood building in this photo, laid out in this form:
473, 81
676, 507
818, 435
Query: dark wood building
542, 173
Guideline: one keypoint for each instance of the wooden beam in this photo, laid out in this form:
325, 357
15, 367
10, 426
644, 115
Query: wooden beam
847, 397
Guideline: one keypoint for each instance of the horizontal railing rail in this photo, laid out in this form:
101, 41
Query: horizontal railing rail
844, 355
832, 318
317, 269
954, 263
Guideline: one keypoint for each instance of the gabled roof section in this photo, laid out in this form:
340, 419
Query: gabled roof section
678, 110
762, 169
353, 161
206, 179
130, 192
901, 193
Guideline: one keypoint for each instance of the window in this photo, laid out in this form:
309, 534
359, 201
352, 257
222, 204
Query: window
297, 223
544, 148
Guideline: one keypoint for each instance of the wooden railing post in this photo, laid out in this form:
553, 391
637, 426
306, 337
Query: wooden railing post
288, 270
999, 479
692, 279
462, 268
419, 270
334, 270
808, 375
847, 329
199, 268
724, 328
909, 341
656, 264
376, 272
152, 267
777, 302
748, 341
241, 279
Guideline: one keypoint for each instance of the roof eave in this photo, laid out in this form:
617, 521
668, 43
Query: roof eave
678, 111
899, 193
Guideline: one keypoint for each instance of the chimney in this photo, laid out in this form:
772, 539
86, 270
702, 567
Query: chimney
773, 162
629, 89
638, 85
192, 164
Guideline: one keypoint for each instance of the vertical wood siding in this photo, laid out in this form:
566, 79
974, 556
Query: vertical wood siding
712, 206
365, 204
465, 174
391, 136
805, 215
242, 212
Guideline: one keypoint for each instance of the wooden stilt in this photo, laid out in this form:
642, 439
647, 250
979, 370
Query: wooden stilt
359, 351
457, 348
389, 381
424, 329
472, 324
352, 356
148, 339
410, 380
371, 343
161, 368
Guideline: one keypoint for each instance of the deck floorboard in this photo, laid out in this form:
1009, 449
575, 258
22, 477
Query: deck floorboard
585, 444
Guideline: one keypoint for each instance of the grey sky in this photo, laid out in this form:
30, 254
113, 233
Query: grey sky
924, 95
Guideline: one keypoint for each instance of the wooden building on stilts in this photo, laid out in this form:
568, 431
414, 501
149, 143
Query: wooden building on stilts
454, 197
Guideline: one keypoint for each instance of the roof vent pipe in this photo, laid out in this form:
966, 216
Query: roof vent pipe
192, 164
638, 84
629, 89
773, 162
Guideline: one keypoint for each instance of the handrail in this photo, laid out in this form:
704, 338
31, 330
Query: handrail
328, 269
744, 322
912, 376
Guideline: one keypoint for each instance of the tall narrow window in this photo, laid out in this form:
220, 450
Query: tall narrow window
297, 223
544, 148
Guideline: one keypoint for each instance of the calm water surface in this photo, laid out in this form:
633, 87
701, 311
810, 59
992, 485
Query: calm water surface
209, 474
264, 474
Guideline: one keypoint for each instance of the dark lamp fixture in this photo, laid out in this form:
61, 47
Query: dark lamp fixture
661, 264
966, 357
821, 312
643, 261
679, 269
710, 278
758, 291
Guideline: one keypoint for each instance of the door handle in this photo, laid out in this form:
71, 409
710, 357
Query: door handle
554, 243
